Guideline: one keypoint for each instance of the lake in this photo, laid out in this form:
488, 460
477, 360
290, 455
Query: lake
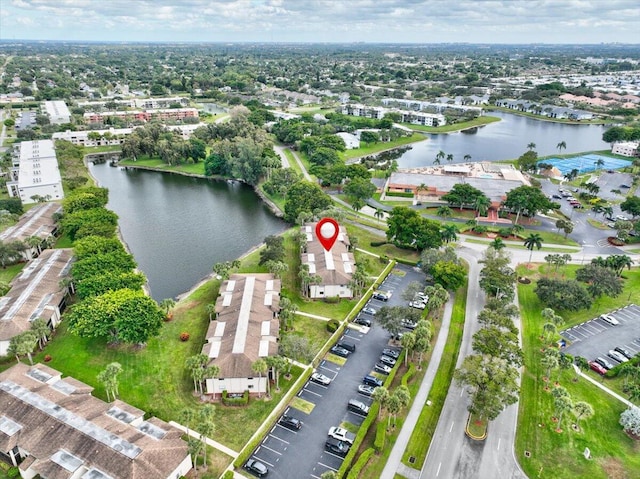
177, 227
506, 140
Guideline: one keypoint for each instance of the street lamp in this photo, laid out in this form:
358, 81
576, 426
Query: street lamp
584, 251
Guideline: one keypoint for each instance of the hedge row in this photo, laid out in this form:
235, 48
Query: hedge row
241, 401
406, 377
357, 442
381, 436
408, 262
360, 464
400, 194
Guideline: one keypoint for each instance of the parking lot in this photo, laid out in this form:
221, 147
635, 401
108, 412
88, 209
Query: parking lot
300, 453
596, 337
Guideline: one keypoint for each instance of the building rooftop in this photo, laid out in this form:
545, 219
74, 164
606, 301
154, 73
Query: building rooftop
68, 432
335, 266
38, 221
246, 326
34, 292
38, 164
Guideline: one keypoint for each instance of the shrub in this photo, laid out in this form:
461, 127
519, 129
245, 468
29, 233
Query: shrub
504, 232
13, 473
332, 299
228, 475
378, 243
480, 229
333, 325
360, 464
406, 377
400, 194
381, 436
184, 336
235, 400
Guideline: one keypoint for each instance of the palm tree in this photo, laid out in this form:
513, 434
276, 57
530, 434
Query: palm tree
534, 240
549, 330
39, 326
562, 404
260, 366
467, 158
497, 244
381, 394
439, 157
167, 304
450, 158
378, 214
448, 233
444, 211
582, 409
560, 146
531, 146
358, 204
599, 163
210, 309
515, 229
482, 205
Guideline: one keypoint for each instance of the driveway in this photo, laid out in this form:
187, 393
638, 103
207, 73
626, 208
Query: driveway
300, 454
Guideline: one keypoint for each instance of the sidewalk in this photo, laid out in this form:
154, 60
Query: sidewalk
394, 463
603, 387
210, 442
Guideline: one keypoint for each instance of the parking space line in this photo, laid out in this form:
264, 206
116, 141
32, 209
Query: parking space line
272, 450
327, 369
334, 455
583, 334
279, 438
309, 391
262, 460
329, 467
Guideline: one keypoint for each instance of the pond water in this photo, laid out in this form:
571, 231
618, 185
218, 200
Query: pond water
506, 140
178, 227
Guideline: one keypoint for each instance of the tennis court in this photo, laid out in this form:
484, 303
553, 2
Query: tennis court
586, 163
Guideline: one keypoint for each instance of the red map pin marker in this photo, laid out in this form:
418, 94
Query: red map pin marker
327, 231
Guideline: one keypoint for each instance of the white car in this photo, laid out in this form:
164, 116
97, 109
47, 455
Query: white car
341, 434
417, 304
607, 318
320, 379
617, 356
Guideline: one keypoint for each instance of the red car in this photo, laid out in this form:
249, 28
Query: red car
597, 368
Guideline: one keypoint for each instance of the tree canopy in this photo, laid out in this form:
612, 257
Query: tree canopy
560, 294
304, 196
406, 228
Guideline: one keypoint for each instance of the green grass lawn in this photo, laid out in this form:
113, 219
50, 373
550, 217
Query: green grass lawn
158, 164
522, 246
481, 120
365, 237
10, 272
425, 427
382, 146
559, 455
315, 330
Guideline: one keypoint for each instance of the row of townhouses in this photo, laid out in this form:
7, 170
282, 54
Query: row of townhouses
378, 113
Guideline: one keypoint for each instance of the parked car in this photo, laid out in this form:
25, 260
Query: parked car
387, 360
604, 363
417, 304
617, 356
337, 447
347, 345
607, 318
365, 389
392, 353
320, 379
358, 407
369, 310
624, 186
407, 323
622, 218
623, 351
256, 467
338, 351
611, 225
372, 381
382, 295
362, 321
397, 336
578, 206
341, 434
556, 197
290, 422
382, 368
597, 368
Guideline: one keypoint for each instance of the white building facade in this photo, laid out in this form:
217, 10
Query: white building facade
58, 112
35, 174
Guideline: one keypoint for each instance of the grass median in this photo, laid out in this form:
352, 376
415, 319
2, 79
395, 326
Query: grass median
425, 427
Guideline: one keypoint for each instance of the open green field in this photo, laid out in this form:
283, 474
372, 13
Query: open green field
382, 146
559, 454
158, 164
480, 121
366, 236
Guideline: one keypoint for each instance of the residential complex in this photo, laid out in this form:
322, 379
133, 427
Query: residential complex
333, 268
52, 427
377, 113
35, 174
246, 328
39, 222
171, 114
626, 148
138, 102
550, 111
36, 293
114, 136
58, 112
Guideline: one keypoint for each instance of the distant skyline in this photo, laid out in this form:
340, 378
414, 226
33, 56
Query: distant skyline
370, 21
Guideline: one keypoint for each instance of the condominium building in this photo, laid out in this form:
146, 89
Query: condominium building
35, 175
171, 114
58, 112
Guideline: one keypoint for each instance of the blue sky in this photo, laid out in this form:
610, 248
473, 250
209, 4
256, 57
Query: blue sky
408, 21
